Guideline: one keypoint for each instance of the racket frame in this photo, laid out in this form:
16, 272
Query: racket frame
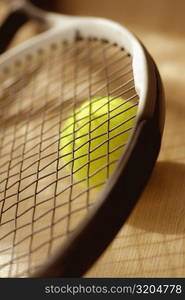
137, 162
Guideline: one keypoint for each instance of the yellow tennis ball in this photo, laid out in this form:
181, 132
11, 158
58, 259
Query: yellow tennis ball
93, 138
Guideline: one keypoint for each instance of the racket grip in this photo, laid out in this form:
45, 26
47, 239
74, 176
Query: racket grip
10, 26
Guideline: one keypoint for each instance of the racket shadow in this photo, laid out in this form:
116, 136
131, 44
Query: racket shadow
161, 207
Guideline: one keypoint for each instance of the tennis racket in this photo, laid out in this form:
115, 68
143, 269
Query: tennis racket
55, 220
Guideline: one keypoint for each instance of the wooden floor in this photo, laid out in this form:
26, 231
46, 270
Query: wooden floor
152, 243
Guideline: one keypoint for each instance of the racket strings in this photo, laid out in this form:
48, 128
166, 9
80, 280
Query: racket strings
41, 201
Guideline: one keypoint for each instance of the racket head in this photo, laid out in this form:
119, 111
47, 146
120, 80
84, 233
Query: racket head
131, 173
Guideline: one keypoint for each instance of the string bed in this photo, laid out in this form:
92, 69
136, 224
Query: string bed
41, 202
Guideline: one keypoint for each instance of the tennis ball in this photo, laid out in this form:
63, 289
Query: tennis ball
93, 138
